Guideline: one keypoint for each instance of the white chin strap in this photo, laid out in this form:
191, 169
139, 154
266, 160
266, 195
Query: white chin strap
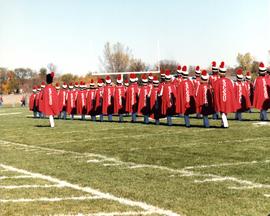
224, 120
51, 121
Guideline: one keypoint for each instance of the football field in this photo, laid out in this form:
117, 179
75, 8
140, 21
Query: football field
111, 168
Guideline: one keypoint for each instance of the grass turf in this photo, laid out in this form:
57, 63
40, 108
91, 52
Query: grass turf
167, 151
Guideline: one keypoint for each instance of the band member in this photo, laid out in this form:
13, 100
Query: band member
71, 101
40, 101
62, 101
242, 101
185, 101
108, 94
224, 95
249, 87
178, 77
150, 80
212, 79
32, 102
261, 95
81, 101
91, 101
99, 99
155, 101
204, 99
126, 83
143, 105
168, 97
50, 99
132, 95
119, 98
197, 79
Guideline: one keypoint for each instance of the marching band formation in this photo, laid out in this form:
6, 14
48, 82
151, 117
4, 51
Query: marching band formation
181, 95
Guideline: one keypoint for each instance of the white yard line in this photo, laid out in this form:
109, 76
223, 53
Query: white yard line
267, 195
15, 177
110, 214
94, 192
30, 186
184, 172
46, 199
13, 113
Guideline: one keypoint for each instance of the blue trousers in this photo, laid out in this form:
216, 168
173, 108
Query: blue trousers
206, 121
187, 121
110, 117
133, 117
238, 116
121, 117
93, 118
215, 116
146, 119
169, 120
263, 115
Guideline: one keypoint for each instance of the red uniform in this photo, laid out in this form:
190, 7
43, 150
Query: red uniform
185, 101
119, 99
91, 101
71, 102
212, 79
32, 101
204, 99
224, 96
196, 83
99, 95
132, 98
155, 103
250, 90
143, 105
261, 96
62, 100
107, 103
50, 102
242, 101
40, 101
81, 102
168, 91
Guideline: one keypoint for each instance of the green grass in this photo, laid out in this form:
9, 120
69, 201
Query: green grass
175, 148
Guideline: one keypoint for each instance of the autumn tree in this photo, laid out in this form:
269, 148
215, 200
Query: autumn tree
137, 65
245, 61
168, 64
116, 57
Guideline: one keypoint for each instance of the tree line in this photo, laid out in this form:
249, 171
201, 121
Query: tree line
116, 58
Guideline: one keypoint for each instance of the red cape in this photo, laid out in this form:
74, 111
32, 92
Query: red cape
119, 99
32, 102
62, 99
185, 101
71, 102
155, 103
250, 89
204, 99
99, 95
168, 91
242, 100
40, 101
90, 101
132, 98
81, 102
224, 98
50, 100
107, 104
261, 93
143, 105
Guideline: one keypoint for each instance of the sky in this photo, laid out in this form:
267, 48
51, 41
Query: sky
72, 33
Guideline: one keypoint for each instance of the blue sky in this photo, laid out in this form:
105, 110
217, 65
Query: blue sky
72, 33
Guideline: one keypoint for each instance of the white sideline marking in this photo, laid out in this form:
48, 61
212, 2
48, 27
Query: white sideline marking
117, 137
15, 177
14, 113
261, 123
30, 186
110, 214
46, 199
184, 172
95, 192
267, 195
